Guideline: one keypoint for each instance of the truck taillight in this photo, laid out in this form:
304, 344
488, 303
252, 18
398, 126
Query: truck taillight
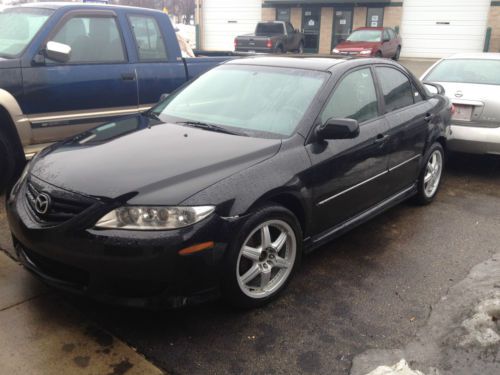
452, 109
235, 43
269, 43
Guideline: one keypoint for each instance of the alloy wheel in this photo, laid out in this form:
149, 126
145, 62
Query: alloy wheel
433, 173
266, 259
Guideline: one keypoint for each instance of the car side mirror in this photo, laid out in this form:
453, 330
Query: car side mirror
164, 96
58, 52
434, 88
338, 128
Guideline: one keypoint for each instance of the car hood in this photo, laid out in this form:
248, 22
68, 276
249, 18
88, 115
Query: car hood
9, 63
163, 163
356, 46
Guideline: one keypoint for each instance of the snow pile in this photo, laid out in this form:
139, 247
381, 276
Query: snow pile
400, 368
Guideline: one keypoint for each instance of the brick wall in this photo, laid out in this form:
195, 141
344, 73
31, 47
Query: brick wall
325, 31
359, 17
494, 23
296, 18
393, 16
268, 14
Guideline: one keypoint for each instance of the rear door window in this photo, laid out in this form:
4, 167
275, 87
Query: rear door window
396, 88
148, 38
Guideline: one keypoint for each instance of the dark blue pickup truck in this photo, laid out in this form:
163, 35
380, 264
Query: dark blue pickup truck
66, 67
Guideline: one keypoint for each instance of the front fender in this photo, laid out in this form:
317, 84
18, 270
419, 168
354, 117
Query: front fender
21, 123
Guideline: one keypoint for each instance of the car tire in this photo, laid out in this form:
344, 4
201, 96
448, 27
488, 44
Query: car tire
300, 50
280, 50
378, 54
11, 164
430, 177
398, 53
262, 258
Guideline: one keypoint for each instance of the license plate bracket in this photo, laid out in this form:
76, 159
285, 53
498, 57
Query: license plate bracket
463, 112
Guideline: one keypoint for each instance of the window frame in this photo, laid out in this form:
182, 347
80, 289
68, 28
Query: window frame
289, 11
380, 113
412, 84
162, 36
367, 23
289, 24
90, 14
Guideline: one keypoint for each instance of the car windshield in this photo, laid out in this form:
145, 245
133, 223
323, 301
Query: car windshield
365, 36
478, 71
269, 29
255, 100
18, 26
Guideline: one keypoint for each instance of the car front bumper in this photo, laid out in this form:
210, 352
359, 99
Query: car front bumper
133, 268
475, 140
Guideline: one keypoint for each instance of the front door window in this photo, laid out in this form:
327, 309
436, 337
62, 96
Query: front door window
342, 25
310, 24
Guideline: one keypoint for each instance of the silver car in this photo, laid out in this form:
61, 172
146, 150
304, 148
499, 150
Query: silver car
472, 82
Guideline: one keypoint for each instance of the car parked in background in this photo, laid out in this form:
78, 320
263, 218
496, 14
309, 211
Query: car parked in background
371, 42
271, 37
472, 82
224, 184
67, 67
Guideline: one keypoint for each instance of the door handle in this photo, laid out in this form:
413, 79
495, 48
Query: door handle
128, 76
429, 117
381, 138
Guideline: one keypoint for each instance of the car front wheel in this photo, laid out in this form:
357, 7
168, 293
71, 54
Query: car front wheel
263, 257
430, 177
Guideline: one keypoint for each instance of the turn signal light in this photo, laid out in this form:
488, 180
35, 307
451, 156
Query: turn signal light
197, 248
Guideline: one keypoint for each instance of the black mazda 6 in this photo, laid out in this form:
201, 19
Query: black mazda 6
220, 188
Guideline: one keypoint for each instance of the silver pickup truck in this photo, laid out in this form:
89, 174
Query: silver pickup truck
271, 37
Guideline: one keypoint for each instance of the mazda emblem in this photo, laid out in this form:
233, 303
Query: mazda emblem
42, 203
459, 94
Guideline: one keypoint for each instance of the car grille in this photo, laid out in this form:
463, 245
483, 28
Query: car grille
63, 205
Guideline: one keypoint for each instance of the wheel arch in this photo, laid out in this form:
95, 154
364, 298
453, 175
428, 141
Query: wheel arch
292, 201
12, 120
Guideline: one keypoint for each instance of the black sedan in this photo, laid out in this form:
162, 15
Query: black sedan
224, 185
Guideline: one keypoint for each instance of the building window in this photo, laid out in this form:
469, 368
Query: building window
283, 14
375, 17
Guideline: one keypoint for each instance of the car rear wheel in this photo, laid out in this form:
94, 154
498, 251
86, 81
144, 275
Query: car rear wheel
301, 48
280, 49
430, 177
398, 53
378, 54
263, 257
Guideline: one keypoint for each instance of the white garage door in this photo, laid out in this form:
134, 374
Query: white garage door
438, 28
223, 20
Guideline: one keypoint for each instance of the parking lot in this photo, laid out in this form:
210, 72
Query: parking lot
372, 288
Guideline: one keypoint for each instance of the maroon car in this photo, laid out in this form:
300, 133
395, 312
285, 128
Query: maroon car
371, 42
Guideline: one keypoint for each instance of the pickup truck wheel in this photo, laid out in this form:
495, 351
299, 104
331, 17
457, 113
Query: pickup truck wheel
10, 164
280, 50
301, 48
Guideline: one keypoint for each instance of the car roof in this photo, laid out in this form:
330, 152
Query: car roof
58, 5
310, 63
478, 55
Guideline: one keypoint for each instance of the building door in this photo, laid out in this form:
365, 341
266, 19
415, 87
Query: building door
375, 17
433, 29
310, 24
342, 25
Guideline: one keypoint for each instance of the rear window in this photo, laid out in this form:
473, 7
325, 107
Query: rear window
269, 29
478, 71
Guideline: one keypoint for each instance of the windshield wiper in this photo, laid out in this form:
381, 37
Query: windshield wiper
211, 127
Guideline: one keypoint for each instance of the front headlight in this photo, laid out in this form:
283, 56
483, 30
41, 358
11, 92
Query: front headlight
335, 50
154, 218
366, 52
